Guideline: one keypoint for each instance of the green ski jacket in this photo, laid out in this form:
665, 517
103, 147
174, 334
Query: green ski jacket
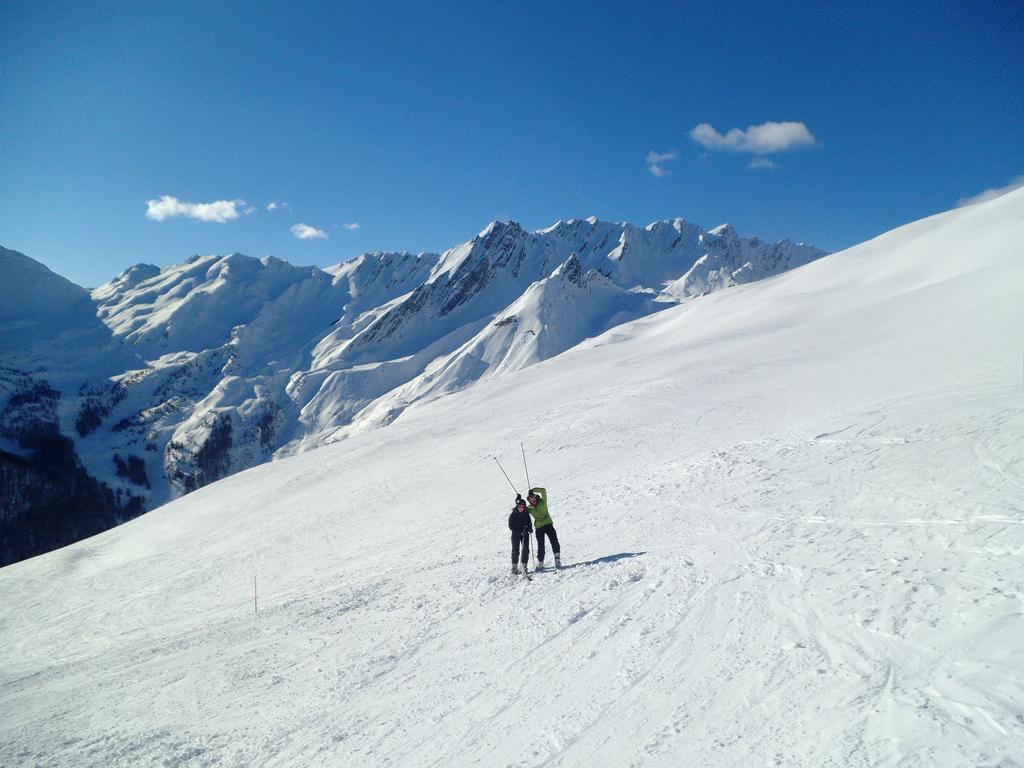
541, 517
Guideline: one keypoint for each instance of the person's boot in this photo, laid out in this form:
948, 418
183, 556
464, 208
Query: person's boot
515, 568
540, 565
558, 561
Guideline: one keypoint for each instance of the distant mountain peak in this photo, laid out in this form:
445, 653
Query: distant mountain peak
498, 228
725, 231
571, 269
136, 273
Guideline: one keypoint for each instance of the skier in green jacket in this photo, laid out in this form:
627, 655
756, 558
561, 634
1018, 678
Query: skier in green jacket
538, 498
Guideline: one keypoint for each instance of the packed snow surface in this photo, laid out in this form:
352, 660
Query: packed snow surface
791, 520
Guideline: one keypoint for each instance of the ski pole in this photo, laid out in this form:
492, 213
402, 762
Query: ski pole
504, 472
533, 552
528, 486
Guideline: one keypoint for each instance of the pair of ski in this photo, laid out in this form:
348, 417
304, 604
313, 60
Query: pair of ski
528, 575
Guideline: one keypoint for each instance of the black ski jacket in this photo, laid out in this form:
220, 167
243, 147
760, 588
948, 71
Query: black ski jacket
519, 522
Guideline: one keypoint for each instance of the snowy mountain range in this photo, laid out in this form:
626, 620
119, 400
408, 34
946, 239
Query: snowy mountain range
790, 512
169, 379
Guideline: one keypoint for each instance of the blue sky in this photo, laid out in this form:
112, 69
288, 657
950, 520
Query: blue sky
423, 122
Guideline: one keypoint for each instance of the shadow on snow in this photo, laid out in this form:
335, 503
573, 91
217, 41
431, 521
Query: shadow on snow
605, 559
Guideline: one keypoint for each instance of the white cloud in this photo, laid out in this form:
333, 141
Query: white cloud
353, 226
306, 232
275, 205
166, 207
762, 164
761, 139
991, 194
656, 161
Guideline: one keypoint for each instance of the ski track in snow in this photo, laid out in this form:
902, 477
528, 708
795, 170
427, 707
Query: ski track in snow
792, 562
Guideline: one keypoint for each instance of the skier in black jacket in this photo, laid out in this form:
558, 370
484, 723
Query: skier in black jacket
521, 527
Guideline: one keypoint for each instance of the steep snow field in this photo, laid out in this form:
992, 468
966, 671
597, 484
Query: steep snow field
791, 514
49, 324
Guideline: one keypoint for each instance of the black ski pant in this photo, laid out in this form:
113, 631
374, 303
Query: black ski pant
549, 531
521, 540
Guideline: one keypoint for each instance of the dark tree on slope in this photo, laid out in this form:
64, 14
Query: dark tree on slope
47, 498
213, 459
132, 469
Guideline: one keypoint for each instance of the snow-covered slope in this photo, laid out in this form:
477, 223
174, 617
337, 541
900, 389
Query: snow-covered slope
442, 336
195, 306
50, 341
223, 337
56, 361
791, 515
553, 315
48, 325
484, 275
